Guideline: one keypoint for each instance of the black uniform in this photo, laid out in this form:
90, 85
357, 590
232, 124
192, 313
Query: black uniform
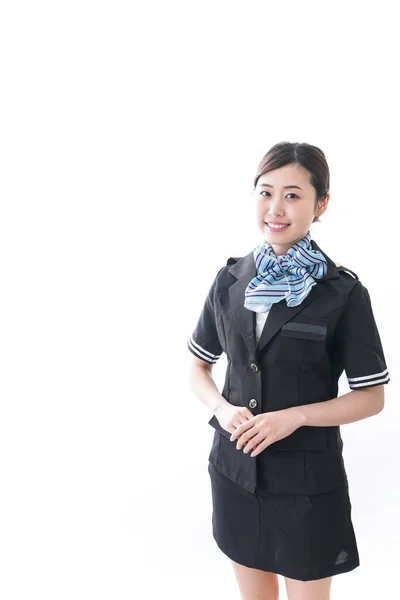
287, 510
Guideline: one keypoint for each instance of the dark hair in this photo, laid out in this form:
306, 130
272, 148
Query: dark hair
307, 155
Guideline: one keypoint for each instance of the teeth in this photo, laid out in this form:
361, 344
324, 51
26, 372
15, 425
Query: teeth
277, 226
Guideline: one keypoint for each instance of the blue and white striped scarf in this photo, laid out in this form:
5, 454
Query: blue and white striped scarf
290, 276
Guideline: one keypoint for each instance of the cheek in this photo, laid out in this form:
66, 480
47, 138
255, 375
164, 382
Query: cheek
300, 217
259, 215
261, 209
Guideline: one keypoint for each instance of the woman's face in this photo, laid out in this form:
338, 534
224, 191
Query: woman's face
286, 195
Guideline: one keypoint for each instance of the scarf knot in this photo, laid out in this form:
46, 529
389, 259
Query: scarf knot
290, 277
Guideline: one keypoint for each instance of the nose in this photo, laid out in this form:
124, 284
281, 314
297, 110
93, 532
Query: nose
276, 207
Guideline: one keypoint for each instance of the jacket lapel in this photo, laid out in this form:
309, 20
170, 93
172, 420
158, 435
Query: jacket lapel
245, 270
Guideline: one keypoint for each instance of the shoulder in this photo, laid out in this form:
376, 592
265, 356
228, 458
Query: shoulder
233, 259
345, 271
224, 271
224, 279
348, 280
357, 295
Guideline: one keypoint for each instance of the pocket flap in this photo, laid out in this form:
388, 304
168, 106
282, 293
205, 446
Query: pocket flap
308, 331
215, 423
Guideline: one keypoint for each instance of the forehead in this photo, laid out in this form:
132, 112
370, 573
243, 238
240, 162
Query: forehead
293, 174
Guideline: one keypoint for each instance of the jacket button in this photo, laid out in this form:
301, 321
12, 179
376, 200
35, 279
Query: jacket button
254, 367
253, 403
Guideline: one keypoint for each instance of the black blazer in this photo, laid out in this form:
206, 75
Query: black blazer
300, 356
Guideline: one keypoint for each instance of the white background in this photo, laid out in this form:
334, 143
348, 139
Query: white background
130, 135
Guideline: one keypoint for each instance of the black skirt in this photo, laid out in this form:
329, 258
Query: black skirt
304, 537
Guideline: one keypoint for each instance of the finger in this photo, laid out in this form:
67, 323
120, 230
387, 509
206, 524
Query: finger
248, 414
261, 447
231, 429
241, 429
241, 419
236, 425
249, 434
254, 442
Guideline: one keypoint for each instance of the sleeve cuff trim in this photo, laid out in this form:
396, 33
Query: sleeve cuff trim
351, 379
368, 380
201, 352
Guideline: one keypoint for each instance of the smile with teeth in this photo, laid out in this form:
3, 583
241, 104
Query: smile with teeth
271, 226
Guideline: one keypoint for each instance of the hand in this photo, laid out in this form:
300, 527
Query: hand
230, 416
262, 430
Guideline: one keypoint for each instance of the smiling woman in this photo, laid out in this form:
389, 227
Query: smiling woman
290, 320
287, 209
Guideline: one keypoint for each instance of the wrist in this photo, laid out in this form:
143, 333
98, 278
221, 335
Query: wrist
219, 404
299, 415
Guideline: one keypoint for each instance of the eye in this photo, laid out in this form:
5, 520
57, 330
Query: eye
290, 194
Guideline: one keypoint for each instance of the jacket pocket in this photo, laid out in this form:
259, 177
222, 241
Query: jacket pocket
303, 340
215, 423
303, 438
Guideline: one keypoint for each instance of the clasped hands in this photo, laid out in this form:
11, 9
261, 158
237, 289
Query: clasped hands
260, 431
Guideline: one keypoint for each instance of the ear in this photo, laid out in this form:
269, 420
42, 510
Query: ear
322, 205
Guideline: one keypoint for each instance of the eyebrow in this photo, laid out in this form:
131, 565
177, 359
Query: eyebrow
285, 187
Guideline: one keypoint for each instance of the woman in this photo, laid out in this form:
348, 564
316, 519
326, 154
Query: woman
290, 321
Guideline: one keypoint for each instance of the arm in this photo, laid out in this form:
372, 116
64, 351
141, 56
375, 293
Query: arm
203, 385
354, 406
206, 348
357, 342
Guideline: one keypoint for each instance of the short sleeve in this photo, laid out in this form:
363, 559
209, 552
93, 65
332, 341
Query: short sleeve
204, 341
359, 342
